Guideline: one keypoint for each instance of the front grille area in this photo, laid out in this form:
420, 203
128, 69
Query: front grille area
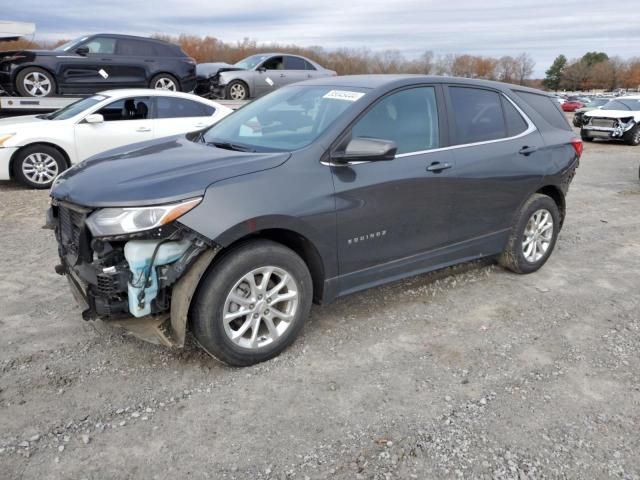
71, 225
603, 122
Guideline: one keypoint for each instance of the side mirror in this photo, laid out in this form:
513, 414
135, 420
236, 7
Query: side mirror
261, 69
84, 51
94, 118
364, 149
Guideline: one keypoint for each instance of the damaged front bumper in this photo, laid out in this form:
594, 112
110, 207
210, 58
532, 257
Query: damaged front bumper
143, 282
607, 127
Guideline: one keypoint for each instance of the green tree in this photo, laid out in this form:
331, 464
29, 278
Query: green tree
555, 72
591, 58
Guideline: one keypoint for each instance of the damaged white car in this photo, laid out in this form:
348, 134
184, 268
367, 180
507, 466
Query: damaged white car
617, 120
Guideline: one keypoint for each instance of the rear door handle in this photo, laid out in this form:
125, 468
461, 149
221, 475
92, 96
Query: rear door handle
527, 150
438, 167
143, 129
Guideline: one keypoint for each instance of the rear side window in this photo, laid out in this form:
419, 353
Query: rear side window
477, 115
136, 48
547, 108
408, 117
515, 123
294, 63
308, 66
168, 107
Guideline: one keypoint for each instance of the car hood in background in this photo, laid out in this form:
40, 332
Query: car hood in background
6, 124
154, 172
613, 114
208, 70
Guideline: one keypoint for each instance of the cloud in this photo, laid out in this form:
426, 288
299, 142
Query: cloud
543, 28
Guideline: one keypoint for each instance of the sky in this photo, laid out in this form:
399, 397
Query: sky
542, 28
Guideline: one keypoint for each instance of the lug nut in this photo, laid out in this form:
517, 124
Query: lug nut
259, 297
268, 300
255, 315
252, 306
266, 312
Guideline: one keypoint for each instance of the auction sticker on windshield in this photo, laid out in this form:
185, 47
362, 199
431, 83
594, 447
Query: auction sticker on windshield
344, 95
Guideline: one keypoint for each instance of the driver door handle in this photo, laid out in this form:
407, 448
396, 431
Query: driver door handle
526, 150
438, 167
143, 129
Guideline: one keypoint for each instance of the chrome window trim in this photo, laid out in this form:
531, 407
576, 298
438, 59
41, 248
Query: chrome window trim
530, 129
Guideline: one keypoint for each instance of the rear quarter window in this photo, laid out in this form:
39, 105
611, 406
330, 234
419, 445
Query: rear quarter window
547, 108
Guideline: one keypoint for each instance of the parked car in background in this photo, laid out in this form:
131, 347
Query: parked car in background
315, 191
618, 119
572, 105
97, 62
594, 104
256, 75
35, 149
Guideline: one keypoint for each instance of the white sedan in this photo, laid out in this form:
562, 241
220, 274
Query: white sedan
35, 149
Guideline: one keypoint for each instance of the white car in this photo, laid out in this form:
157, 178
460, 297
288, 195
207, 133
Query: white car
618, 119
35, 149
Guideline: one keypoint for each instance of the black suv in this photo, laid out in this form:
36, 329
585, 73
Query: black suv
97, 62
315, 191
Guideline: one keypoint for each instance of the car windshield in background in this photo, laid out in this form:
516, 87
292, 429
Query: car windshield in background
65, 47
288, 119
620, 104
251, 62
75, 108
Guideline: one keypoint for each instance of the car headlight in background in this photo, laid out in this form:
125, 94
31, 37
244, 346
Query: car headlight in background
4, 137
119, 221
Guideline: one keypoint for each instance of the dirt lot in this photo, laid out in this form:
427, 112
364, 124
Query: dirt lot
474, 372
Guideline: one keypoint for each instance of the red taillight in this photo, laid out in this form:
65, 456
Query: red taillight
578, 146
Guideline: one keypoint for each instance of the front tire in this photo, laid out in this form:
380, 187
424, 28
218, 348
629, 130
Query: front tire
35, 82
585, 137
37, 166
632, 137
252, 304
164, 81
533, 235
237, 90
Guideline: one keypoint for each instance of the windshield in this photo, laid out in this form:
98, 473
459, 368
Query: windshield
623, 104
287, 119
65, 47
251, 62
75, 108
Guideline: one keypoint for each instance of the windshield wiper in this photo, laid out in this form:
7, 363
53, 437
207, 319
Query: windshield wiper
230, 146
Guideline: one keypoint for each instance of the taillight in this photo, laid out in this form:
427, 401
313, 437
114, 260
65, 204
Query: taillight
578, 146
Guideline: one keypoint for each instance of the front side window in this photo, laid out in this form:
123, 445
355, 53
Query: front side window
288, 119
101, 45
251, 62
134, 108
274, 63
477, 115
409, 118
168, 107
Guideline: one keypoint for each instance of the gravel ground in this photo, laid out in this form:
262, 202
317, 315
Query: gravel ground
472, 372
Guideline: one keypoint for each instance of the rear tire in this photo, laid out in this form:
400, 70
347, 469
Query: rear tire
246, 280
35, 82
632, 137
37, 166
533, 235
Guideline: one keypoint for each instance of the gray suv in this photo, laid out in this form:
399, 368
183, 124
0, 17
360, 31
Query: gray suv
315, 191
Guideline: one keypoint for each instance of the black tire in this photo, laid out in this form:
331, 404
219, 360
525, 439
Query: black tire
236, 86
632, 137
209, 304
513, 256
39, 73
32, 156
166, 77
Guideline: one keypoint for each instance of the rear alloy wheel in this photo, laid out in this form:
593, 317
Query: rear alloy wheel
164, 81
632, 137
252, 304
35, 82
38, 166
533, 236
237, 90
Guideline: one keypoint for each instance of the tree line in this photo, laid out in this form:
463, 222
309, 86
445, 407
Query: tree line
594, 70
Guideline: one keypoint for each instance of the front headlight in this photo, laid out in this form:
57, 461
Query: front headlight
119, 221
4, 137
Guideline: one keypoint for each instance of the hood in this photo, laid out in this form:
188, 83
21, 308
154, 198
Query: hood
30, 54
613, 113
208, 70
6, 124
154, 172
